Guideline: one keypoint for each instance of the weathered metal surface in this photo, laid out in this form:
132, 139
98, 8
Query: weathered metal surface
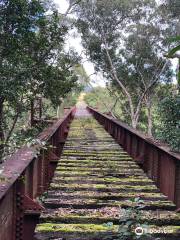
6, 216
157, 160
25, 175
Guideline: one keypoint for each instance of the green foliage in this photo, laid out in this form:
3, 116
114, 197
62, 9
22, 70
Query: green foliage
97, 98
32, 58
126, 42
23, 136
173, 52
48, 109
108, 18
71, 99
33, 61
175, 49
83, 78
173, 6
169, 129
131, 220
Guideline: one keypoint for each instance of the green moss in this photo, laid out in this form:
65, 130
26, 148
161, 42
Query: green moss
104, 186
101, 169
2, 179
91, 152
97, 164
68, 228
66, 172
127, 195
73, 173
100, 159
106, 179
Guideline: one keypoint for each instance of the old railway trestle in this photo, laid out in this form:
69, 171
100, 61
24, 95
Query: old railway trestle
84, 193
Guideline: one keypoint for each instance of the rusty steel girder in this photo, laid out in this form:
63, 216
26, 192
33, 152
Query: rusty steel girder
24, 177
158, 161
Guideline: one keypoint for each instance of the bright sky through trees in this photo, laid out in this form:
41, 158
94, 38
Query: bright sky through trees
76, 43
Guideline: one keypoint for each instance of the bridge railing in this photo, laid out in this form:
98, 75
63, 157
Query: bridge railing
160, 164
26, 175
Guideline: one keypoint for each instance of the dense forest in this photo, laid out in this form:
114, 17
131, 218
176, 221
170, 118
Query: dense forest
131, 43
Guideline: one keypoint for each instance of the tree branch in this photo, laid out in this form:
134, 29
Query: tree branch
117, 79
14, 122
147, 89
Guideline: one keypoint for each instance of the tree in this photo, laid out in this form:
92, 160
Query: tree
32, 57
142, 67
169, 115
18, 19
173, 53
104, 26
174, 7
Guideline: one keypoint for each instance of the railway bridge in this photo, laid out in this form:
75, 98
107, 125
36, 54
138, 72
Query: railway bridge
90, 177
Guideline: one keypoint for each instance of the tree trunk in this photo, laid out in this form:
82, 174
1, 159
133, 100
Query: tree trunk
134, 124
178, 76
9, 134
134, 120
32, 113
134, 112
1, 129
40, 108
149, 109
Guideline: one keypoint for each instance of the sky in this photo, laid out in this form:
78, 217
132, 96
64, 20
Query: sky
96, 80
75, 42
62, 5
